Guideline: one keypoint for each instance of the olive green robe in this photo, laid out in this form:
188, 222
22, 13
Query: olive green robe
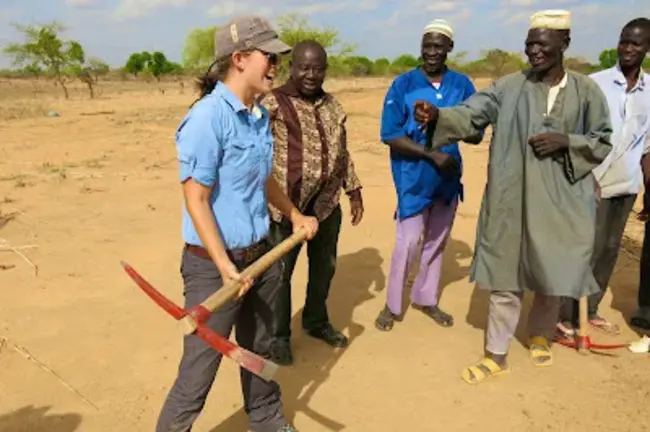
537, 222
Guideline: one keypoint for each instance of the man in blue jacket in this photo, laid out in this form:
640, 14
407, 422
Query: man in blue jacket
427, 182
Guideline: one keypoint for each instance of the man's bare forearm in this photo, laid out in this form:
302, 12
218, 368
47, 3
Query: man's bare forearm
645, 168
408, 148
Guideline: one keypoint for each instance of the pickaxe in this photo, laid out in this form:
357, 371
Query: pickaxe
194, 318
582, 342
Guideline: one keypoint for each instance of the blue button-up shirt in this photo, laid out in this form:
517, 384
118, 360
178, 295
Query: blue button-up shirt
418, 182
620, 173
224, 145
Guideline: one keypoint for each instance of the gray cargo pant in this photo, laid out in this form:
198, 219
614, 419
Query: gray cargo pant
503, 317
253, 317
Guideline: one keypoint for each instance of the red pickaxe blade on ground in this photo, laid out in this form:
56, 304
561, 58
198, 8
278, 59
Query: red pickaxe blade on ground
581, 341
584, 343
246, 359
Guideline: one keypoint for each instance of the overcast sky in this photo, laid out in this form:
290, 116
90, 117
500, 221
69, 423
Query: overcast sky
112, 29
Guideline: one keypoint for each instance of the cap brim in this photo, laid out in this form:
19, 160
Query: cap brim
274, 46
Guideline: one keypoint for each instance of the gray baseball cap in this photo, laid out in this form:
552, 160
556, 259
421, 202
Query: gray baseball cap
246, 33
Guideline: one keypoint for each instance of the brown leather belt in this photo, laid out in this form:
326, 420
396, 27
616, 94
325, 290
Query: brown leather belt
242, 255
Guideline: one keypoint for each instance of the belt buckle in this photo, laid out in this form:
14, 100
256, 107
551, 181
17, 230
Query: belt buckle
249, 254
252, 252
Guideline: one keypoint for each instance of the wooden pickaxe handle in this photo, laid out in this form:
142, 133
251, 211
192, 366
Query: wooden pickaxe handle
231, 288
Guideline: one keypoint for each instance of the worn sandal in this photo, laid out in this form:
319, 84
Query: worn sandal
603, 325
565, 331
436, 314
540, 351
482, 370
385, 320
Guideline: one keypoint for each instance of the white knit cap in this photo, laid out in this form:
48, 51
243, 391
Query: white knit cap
555, 19
439, 26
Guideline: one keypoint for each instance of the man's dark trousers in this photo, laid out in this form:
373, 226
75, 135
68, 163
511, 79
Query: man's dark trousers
644, 279
321, 254
611, 219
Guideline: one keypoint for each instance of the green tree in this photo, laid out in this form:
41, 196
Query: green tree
198, 51
359, 65
149, 65
136, 63
157, 65
498, 63
33, 69
403, 63
294, 28
608, 58
172, 68
43, 49
457, 60
97, 68
381, 66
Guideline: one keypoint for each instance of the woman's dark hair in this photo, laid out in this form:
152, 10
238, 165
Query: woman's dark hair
215, 73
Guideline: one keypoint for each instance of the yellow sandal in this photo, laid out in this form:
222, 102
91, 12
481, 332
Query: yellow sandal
540, 351
483, 369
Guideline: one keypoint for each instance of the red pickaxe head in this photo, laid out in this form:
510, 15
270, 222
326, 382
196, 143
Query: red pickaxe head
584, 345
266, 369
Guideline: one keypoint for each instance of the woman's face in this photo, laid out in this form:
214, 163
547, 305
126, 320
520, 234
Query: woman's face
258, 69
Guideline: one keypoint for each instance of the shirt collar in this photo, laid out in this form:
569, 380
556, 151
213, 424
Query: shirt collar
222, 90
290, 89
564, 80
620, 79
446, 71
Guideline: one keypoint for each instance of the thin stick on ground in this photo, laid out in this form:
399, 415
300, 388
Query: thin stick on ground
4, 248
6, 218
5, 244
4, 341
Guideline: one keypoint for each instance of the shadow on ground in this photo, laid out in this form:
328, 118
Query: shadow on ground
31, 419
358, 277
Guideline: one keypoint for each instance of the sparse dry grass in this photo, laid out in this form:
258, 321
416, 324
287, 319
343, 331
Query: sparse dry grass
21, 110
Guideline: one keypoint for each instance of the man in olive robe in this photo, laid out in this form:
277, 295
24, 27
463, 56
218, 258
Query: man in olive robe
536, 227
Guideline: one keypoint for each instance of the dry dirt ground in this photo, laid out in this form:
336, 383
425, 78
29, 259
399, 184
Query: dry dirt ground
98, 185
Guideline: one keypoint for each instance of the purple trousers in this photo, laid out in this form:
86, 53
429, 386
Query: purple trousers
434, 224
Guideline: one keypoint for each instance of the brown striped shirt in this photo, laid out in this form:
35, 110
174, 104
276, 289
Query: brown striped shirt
311, 161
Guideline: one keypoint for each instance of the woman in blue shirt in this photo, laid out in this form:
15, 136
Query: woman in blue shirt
225, 152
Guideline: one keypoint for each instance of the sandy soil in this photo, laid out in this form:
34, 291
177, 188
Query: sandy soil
98, 185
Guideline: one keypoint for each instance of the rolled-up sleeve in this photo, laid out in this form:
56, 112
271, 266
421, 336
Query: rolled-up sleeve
394, 114
198, 145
